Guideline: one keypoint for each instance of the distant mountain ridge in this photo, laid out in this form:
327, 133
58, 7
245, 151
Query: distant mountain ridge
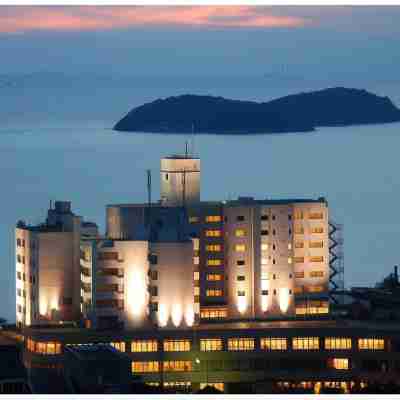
301, 112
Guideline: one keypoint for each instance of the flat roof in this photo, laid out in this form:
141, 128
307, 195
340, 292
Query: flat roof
239, 201
95, 352
291, 328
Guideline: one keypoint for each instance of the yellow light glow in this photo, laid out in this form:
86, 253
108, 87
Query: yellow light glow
241, 304
264, 303
162, 315
137, 293
43, 305
176, 314
189, 315
54, 303
284, 299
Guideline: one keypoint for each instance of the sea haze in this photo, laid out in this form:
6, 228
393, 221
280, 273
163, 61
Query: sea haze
56, 143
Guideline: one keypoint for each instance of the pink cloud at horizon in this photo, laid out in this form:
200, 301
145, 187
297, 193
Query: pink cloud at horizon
58, 18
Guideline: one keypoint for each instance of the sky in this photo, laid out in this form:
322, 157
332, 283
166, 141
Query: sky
200, 40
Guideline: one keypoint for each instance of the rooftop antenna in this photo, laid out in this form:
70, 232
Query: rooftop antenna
186, 148
193, 133
149, 197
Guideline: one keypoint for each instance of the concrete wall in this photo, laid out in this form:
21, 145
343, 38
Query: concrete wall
174, 172
175, 284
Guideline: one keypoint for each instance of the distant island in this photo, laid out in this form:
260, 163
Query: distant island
301, 112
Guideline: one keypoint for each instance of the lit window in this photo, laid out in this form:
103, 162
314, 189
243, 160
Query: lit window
289, 246
240, 344
299, 274
371, 344
196, 275
213, 313
118, 345
240, 247
213, 233
219, 386
299, 230
214, 262
273, 343
315, 289
298, 214
214, 292
264, 246
298, 289
177, 365
178, 385
298, 260
299, 245
289, 260
305, 343
193, 219
312, 307
145, 366
196, 291
337, 343
264, 261
214, 277
143, 346
213, 248
316, 245
177, 345
316, 215
213, 218
316, 274
338, 363
316, 259
317, 229
240, 232
210, 344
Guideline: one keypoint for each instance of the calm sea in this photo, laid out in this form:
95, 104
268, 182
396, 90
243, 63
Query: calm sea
56, 143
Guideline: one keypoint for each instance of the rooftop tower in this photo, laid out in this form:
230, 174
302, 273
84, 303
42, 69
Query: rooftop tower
180, 180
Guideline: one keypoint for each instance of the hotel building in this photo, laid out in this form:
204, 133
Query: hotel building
234, 294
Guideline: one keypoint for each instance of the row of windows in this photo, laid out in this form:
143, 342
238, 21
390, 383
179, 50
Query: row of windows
214, 292
213, 313
214, 262
177, 345
213, 248
233, 344
46, 348
215, 277
264, 217
309, 289
312, 307
154, 366
213, 233
300, 260
312, 274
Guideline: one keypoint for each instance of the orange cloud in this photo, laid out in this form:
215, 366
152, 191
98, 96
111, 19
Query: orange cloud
57, 18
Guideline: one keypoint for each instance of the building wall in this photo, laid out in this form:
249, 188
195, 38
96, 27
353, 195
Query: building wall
274, 277
180, 181
239, 258
26, 259
311, 264
56, 275
174, 284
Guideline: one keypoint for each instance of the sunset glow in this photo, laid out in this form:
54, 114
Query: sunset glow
90, 18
